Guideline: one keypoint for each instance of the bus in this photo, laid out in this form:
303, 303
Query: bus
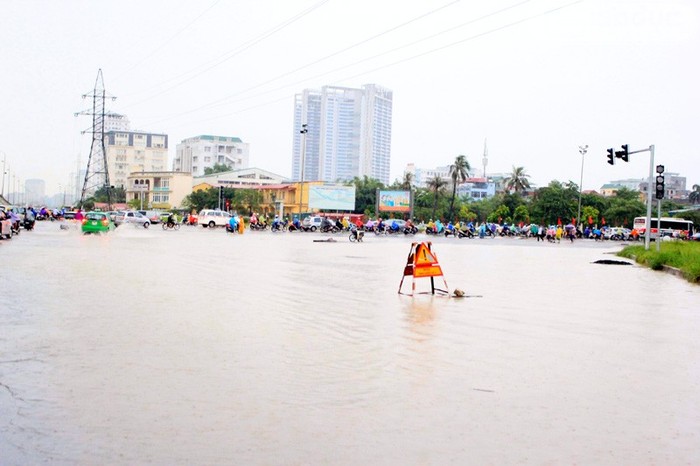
670, 226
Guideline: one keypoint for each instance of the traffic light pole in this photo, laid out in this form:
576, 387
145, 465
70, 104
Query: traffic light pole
647, 237
658, 224
624, 155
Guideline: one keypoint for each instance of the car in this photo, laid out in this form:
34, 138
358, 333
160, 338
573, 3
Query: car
213, 218
695, 237
152, 215
313, 222
96, 222
131, 216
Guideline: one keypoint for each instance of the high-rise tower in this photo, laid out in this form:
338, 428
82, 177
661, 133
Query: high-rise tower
348, 133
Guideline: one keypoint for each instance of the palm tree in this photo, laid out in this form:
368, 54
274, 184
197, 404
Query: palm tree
694, 196
518, 180
436, 184
407, 182
459, 172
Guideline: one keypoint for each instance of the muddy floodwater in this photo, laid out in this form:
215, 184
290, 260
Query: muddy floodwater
200, 347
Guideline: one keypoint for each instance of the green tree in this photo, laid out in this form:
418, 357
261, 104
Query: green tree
436, 185
459, 172
518, 180
500, 215
217, 168
366, 194
554, 203
521, 214
590, 212
624, 206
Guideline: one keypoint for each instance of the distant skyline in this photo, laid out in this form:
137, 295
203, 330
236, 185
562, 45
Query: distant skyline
537, 78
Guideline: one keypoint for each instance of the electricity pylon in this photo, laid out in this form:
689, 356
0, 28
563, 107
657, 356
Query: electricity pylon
97, 174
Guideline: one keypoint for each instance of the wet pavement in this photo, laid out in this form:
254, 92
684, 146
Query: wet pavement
201, 347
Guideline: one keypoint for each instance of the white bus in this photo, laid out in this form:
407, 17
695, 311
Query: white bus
675, 227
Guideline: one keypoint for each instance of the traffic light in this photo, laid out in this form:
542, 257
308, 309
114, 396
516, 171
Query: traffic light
611, 156
623, 154
660, 182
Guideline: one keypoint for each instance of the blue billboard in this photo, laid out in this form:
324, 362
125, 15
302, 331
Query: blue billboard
332, 197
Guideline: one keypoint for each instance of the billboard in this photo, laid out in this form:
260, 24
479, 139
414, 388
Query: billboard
394, 201
332, 197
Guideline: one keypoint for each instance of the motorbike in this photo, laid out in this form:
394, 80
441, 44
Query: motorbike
171, 226
28, 224
278, 226
15, 227
356, 235
410, 230
329, 228
230, 229
466, 233
258, 226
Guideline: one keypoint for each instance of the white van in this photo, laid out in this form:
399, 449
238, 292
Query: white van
213, 218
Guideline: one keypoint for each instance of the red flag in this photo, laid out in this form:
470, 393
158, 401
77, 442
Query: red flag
573, 220
590, 220
602, 220
559, 221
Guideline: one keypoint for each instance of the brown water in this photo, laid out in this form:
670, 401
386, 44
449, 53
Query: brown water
198, 347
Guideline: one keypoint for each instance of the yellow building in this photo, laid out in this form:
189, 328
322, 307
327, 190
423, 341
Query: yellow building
160, 189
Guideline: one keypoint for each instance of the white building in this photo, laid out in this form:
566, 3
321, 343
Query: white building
240, 178
421, 176
116, 122
197, 153
134, 151
348, 133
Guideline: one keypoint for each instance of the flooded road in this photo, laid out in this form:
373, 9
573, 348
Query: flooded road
198, 347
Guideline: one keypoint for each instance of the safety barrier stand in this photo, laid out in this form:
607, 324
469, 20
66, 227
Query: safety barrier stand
422, 263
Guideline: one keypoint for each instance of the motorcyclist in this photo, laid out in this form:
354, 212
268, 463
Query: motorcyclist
232, 224
171, 220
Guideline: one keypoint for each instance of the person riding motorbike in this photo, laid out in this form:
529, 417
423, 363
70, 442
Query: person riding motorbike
232, 225
171, 220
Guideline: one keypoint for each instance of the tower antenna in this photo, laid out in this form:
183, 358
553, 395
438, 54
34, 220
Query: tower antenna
97, 174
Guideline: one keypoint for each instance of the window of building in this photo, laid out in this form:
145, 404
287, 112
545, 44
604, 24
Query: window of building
207, 149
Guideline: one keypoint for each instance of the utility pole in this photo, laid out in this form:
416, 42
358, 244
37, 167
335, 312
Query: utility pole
97, 174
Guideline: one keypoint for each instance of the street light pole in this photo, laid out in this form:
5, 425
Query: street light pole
303, 131
582, 150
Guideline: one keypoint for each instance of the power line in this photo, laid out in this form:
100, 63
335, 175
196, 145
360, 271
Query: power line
225, 100
167, 41
388, 65
230, 54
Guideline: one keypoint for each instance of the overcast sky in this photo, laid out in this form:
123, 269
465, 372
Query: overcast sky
536, 78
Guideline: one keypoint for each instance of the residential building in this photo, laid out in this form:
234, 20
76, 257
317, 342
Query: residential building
197, 153
421, 176
116, 122
477, 188
159, 189
674, 183
348, 133
134, 151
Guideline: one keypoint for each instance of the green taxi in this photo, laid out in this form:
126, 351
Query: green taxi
97, 222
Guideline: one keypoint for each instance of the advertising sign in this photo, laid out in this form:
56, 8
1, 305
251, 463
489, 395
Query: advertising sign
332, 197
394, 201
